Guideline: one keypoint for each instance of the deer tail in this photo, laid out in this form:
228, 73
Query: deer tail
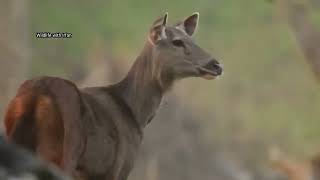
20, 121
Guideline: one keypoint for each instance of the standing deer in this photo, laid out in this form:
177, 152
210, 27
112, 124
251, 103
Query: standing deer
95, 133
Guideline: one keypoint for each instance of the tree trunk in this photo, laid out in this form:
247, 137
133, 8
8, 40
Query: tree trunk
14, 47
307, 36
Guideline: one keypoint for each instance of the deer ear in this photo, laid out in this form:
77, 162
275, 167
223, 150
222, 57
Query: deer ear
157, 31
189, 25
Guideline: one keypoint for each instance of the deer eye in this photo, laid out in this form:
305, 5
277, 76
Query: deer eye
178, 43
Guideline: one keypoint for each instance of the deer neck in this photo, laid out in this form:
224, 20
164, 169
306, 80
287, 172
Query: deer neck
141, 90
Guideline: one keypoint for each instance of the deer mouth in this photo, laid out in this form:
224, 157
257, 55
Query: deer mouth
210, 70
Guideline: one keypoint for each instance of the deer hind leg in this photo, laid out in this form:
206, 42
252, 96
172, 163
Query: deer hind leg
50, 132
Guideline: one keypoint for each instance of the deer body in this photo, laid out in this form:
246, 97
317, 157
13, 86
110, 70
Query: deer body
95, 133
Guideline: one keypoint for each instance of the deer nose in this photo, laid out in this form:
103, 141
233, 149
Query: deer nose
214, 66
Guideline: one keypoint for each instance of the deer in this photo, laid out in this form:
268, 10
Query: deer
95, 132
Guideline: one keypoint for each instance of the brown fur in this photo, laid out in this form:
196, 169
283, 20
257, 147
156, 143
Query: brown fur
50, 130
40, 114
297, 170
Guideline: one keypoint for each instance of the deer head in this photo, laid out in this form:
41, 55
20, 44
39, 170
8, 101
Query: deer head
175, 55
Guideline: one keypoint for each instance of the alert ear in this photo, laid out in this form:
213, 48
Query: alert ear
189, 25
157, 31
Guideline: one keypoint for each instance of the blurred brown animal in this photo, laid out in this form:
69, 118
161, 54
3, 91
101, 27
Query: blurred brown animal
95, 133
295, 170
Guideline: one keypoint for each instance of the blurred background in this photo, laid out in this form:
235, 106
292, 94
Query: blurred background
267, 99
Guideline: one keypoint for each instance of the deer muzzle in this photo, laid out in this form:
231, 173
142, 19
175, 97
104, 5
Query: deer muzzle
210, 70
